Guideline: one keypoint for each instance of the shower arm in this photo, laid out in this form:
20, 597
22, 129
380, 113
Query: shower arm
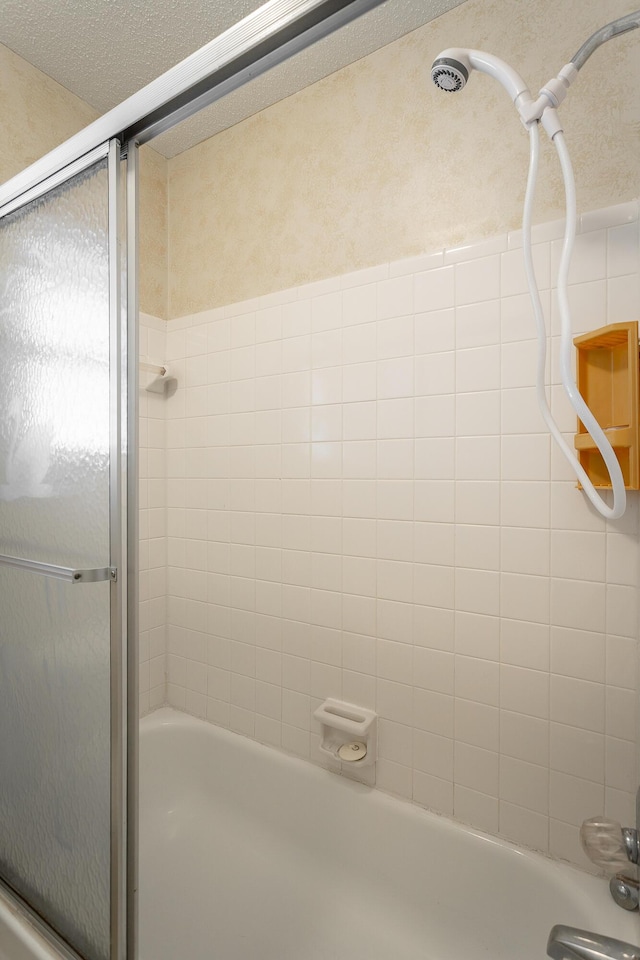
554, 92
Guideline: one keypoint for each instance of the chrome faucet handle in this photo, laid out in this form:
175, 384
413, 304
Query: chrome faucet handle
625, 891
569, 943
608, 845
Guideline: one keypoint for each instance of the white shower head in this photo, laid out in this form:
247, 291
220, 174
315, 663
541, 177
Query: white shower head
450, 72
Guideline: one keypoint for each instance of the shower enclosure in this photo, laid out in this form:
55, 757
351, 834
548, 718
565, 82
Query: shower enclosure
68, 511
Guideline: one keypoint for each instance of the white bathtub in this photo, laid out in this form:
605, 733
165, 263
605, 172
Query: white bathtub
247, 854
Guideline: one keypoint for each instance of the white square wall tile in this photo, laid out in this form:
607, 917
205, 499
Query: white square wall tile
478, 591
525, 550
577, 752
478, 369
433, 585
477, 769
578, 653
395, 540
477, 724
395, 419
578, 703
622, 250
433, 543
395, 297
360, 420
359, 383
435, 416
519, 364
477, 414
434, 501
523, 597
623, 294
520, 413
395, 742
478, 324
359, 304
395, 378
477, 502
477, 280
477, 809
578, 555
526, 457
394, 661
477, 546
435, 459
434, 289
435, 331
359, 343
326, 311
394, 701
524, 691
524, 737
433, 669
395, 337
579, 604
395, 500
524, 784
477, 680
433, 793
622, 610
477, 635
395, 459
524, 644
433, 754
435, 374
478, 458
433, 712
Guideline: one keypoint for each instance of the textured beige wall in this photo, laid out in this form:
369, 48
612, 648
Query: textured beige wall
37, 114
373, 164
154, 238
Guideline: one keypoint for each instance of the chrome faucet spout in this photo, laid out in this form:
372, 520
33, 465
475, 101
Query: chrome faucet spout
569, 943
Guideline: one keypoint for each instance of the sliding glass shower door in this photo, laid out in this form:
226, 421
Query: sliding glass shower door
62, 684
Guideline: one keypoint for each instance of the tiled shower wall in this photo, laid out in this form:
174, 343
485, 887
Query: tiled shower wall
362, 502
152, 518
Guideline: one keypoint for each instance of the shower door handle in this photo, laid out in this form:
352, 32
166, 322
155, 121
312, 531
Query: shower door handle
68, 574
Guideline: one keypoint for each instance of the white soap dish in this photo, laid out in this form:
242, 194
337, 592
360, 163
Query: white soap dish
348, 732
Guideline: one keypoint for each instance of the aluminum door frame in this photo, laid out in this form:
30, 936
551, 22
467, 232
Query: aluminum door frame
131, 373
122, 534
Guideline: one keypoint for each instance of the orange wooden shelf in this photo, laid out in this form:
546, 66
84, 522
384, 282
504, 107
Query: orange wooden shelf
608, 362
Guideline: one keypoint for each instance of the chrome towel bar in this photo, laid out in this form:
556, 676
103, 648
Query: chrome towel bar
61, 573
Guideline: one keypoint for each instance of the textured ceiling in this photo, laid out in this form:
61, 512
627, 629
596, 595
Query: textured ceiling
106, 50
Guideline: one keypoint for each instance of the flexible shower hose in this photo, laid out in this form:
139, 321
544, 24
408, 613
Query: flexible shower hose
577, 402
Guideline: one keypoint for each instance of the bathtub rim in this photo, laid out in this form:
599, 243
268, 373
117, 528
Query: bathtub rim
29, 931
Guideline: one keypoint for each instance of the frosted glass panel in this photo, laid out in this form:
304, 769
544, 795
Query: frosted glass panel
54, 508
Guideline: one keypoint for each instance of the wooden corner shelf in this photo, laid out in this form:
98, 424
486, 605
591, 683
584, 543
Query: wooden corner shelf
608, 362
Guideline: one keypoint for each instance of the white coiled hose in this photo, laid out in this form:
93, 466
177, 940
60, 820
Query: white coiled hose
568, 382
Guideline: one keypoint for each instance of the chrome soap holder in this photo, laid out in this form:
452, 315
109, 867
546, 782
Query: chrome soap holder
348, 732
